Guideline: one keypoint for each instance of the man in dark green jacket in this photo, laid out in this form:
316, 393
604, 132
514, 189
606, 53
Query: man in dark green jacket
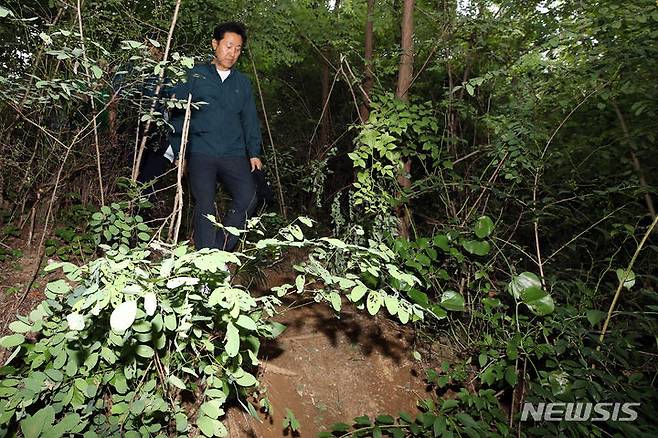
224, 138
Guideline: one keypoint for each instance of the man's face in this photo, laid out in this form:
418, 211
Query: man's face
227, 50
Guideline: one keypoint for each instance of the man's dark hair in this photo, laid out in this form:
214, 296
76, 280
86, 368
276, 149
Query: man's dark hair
231, 26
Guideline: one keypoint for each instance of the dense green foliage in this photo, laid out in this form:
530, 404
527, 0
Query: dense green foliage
530, 128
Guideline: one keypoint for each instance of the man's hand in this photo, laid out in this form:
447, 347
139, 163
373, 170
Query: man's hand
255, 163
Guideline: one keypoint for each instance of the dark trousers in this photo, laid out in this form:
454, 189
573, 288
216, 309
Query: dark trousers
234, 173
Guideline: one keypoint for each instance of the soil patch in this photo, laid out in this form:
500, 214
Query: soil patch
15, 274
327, 369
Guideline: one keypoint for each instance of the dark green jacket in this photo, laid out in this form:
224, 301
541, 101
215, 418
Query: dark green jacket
226, 124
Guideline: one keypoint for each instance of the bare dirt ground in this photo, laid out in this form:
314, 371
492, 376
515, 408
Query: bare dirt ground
15, 274
328, 370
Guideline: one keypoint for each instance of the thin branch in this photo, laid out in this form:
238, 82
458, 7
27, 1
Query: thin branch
326, 104
85, 61
623, 280
539, 172
142, 146
583, 232
282, 204
178, 202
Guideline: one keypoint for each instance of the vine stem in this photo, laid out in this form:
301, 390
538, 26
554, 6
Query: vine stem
623, 280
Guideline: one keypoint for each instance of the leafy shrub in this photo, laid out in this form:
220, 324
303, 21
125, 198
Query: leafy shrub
120, 343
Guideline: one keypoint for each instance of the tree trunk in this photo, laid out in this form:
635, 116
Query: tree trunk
406, 68
405, 75
368, 79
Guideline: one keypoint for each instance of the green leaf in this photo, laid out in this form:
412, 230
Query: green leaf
392, 304
335, 301
144, 351
449, 404
67, 424
54, 375
178, 383
510, 375
483, 359
300, 281
123, 316
12, 340
232, 345
297, 232
419, 297
439, 311
173, 283
290, 421
595, 316
75, 321
542, 306
150, 303
206, 425
335, 242
483, 227
170, 322
441, 240
477, 247
403, 315
384, 419
306, 221
451, 300
374, 302
91, 361
276, 328
247, 323
521, 282
358, 292
246, 380
533, 294
439, 426
212, 409
20, 327
467, 420
629, 281
32, 425
340, 427
181, 422
96, 71
58, 287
